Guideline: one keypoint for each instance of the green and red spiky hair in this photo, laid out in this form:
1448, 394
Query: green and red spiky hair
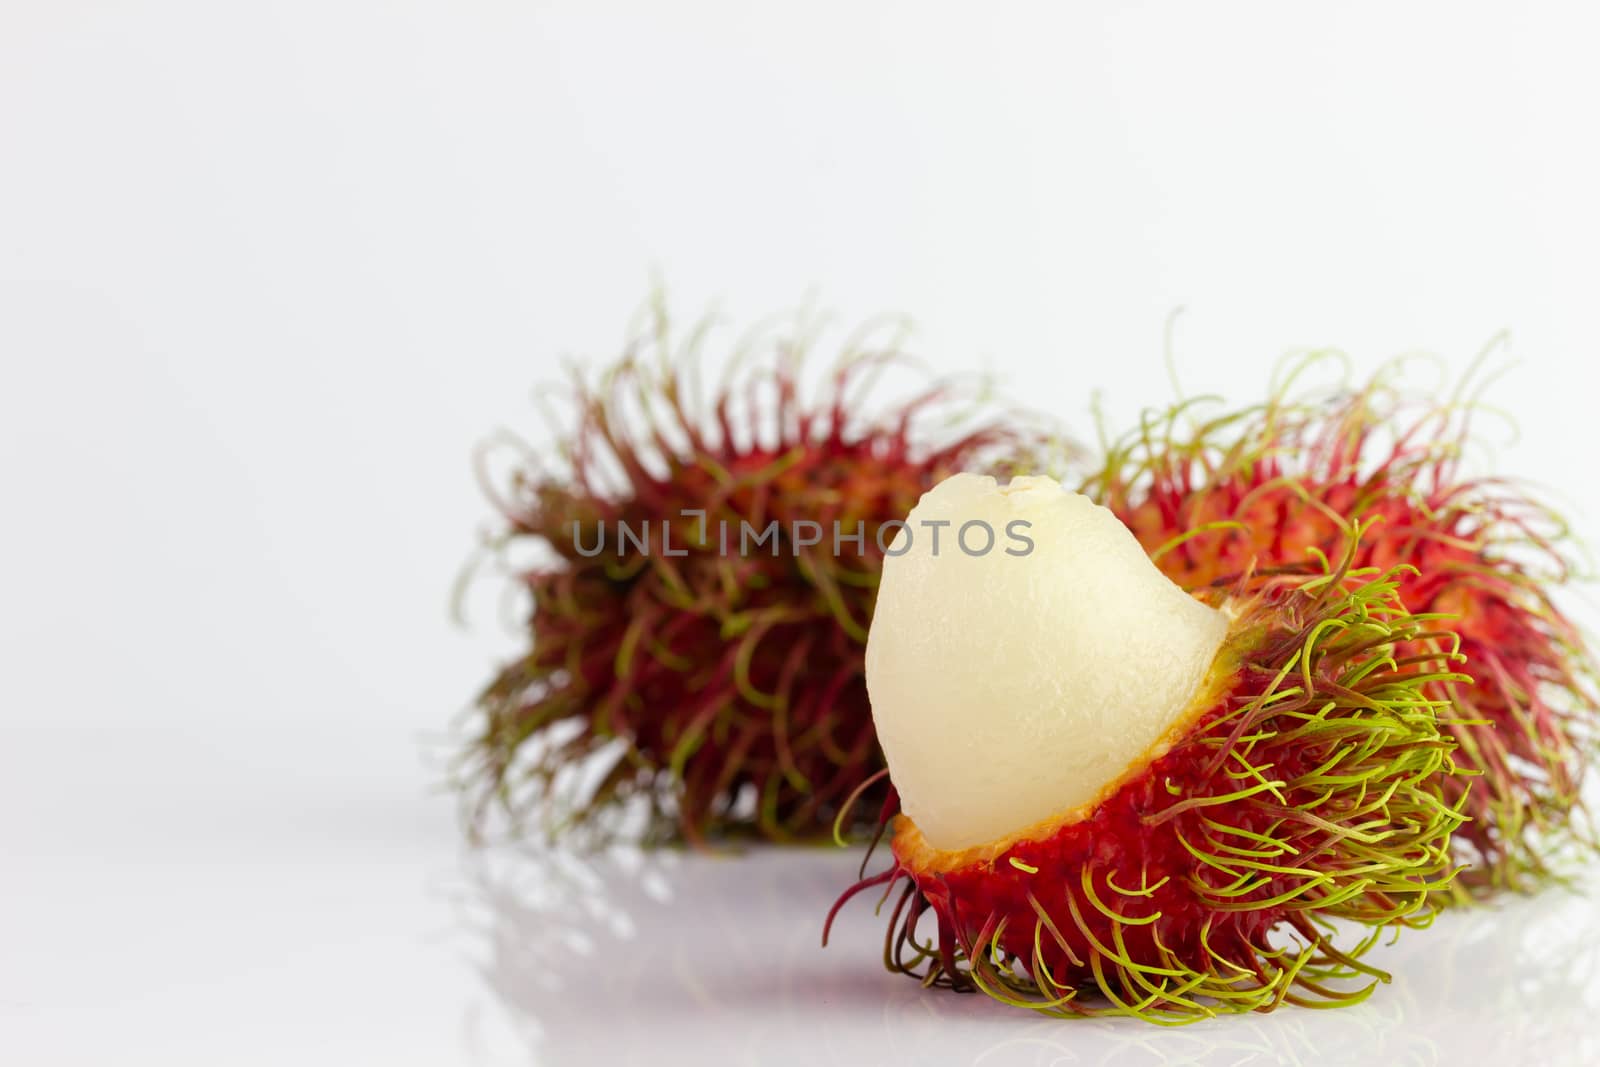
1302, 788
712, 673
1276, 486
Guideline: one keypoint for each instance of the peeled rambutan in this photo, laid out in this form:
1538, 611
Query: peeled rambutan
707, 579
1279, 487
1118, 798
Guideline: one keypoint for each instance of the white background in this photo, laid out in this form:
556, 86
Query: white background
268, 271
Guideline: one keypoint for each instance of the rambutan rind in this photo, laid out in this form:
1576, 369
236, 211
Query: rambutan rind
724, 684
1305, 788
1277, 487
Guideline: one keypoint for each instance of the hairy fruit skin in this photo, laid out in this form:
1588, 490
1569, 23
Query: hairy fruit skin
1277, 487
1306, 787
717, 672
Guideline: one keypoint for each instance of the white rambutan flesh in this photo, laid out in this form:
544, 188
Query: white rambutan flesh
1025, 654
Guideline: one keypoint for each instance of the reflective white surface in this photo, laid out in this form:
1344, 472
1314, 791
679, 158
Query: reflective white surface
191, 910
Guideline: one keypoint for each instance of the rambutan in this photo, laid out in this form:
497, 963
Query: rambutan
707, 580
1279, 487
1118, 798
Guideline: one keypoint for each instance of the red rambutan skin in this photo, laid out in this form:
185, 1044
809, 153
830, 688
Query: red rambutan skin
1279, 486
1122, 839
718, 671
1305, 786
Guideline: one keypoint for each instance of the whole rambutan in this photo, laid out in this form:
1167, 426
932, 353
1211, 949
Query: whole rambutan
1278, 487
707, 578
1118, 798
